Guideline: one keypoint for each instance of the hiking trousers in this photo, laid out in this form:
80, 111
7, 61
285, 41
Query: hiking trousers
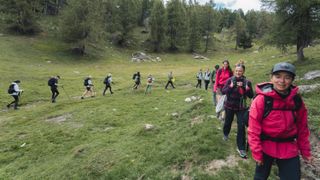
171, 83
241, 136
289, 169
55, 93
199, 84
15, 102
206, 84
108, 86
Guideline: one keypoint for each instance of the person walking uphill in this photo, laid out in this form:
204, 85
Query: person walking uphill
150, 80
53, 83
107, 81
280, 133
213, 80
206, 77
89, 87
237, 90
199, 78
15, 91
170, 80
222, 75
137, 80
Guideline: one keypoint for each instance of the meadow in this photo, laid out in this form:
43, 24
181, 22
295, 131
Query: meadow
104, 137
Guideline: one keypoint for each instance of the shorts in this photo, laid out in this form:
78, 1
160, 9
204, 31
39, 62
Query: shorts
88, 88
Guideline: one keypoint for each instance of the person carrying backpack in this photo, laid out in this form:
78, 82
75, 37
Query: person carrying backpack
213, 79
237, 90
199, 78
87, 83
15, 91
53, 83
107, 81
206, 77
137, 80
150, 80
222, 75
282, 134
170, 80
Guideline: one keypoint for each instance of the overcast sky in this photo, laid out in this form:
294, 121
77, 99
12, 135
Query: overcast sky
245, 5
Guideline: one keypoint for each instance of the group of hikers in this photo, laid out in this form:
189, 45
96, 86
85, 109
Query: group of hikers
276, 120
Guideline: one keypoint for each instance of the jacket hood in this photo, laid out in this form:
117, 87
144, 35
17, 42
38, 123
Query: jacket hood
267, 90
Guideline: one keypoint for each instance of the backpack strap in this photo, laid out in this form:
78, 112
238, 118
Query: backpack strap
268, 104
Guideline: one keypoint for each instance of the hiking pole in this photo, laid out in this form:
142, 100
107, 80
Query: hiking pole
66, 93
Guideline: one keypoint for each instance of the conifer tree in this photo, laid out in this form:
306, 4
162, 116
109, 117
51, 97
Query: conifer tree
158, 25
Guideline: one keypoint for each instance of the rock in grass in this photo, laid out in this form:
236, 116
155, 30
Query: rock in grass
175, 114
148, 127
312, 75
187, 100
308, 88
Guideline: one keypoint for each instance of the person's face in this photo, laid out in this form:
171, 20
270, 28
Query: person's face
238, 72
281, 81
225, 65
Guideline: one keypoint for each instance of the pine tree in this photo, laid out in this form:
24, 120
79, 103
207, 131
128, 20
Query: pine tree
158, 25
194, 26
177, 26
297, 23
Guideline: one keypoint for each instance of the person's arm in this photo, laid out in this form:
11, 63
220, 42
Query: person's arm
228, 87
255, 128
216, 80
303, 132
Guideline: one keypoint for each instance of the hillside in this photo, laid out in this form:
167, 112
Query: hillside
104, 137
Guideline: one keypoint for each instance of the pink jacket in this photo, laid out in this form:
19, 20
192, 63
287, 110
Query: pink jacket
278, 124
222, 75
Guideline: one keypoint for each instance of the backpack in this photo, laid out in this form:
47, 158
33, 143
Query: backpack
86, 82
51, 82
268, 107
106, 80
134, 76
11, 89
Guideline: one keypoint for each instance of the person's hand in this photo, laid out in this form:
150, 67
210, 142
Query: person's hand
308, 160
240, 83
247, 87
259, 163
231, 84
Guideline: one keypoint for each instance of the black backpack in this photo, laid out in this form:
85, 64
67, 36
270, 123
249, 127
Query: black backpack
86, 82
51, 82
106, 80
268, 107
134, 76
11, 89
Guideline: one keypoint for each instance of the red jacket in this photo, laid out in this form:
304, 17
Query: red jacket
278, 124
222, 75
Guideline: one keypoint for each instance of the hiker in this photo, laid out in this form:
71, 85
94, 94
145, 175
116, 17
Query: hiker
107, 81
137, 80
89, 87
170, 80
213, 79
15, 91
237, 90
150, 80
222, 75
199, 78
206, 77
280, 134
53, 83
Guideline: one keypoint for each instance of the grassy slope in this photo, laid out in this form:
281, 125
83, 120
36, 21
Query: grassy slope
103, 137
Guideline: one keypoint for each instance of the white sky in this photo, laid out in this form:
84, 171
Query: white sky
245, 5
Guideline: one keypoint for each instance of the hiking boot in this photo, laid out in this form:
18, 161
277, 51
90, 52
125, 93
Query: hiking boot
225, 138
242, 153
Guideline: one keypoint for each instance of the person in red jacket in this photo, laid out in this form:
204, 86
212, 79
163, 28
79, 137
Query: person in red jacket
283, 134
222, 75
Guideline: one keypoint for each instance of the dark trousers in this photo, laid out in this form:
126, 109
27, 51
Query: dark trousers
289, 169
241, 132
171, 83
15, 102
108, 86
199, 83
55, 94
136, 85
206, 84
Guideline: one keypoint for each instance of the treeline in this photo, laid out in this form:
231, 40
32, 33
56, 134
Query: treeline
176, 25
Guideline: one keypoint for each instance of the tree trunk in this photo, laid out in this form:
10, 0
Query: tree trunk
207, 43
300, 54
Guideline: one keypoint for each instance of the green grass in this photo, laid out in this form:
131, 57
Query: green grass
104, 137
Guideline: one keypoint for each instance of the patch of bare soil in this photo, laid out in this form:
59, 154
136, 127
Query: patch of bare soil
312, 171
197, 120
185, 168
59, 119
214, 166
